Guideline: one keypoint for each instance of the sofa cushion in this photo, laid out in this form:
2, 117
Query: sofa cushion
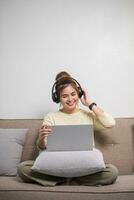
69, 163
30, 151
11, 145
8, 184
116, 143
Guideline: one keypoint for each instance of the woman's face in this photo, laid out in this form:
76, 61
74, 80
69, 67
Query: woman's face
69, 99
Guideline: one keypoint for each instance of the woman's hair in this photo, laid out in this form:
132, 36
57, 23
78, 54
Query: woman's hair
63, 79
61, 75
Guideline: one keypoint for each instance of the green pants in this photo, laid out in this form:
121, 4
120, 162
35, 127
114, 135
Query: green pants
105, 177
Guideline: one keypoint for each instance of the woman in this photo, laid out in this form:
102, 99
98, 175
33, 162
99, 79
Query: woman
67, 91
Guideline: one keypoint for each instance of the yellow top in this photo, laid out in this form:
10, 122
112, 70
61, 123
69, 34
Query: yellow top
100, 122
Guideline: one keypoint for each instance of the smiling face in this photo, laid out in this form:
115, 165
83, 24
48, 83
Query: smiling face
69, 99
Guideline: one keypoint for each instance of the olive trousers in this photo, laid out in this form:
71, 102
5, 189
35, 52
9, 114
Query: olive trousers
107, 176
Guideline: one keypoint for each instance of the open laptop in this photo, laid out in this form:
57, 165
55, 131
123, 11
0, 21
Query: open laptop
70, 138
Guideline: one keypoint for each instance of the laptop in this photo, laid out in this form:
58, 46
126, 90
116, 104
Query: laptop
71, 138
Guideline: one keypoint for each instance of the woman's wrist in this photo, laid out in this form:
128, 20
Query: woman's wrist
91, 105
41, 144
97, 110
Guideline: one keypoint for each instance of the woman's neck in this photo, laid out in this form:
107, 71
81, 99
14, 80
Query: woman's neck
69, 111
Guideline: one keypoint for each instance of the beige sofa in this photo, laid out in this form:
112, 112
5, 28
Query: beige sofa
117, 145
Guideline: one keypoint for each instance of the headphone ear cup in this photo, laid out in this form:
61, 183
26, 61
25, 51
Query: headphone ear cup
55, 98
80, 92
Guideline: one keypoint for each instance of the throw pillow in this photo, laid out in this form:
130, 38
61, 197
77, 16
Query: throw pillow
69, 163
11, 146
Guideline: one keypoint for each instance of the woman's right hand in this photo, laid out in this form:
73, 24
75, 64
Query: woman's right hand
43, 133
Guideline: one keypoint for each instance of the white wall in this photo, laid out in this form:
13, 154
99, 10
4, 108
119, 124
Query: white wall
91, 39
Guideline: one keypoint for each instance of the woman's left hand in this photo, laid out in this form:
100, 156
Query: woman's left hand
85, 99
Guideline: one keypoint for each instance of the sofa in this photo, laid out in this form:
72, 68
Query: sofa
117, 146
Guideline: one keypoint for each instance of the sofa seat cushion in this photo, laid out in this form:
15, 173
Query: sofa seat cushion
124, 184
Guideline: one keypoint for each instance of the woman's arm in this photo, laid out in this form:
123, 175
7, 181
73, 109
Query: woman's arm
101, 119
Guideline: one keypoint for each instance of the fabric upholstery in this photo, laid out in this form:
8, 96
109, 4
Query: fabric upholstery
69, 163
29, 151
13, 188
115, 144
124, 183
11, 146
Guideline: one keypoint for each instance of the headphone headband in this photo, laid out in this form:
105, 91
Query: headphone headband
63, 81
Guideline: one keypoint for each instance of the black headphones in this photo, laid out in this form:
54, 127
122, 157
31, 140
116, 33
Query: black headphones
64, 81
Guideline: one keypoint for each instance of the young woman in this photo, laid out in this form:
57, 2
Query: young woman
68, 92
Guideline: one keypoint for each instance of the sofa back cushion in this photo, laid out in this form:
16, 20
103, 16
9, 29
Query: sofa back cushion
30, 150
116, 143
11, 146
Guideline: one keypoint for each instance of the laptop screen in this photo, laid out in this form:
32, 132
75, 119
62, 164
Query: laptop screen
70, 138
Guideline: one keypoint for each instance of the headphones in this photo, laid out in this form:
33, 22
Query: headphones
64, 81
